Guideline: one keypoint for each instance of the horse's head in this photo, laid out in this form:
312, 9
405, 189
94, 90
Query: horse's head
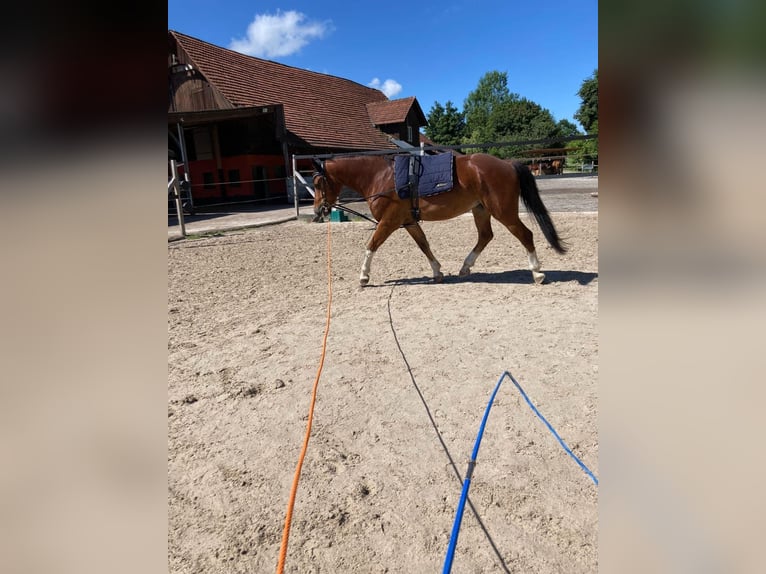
326, 191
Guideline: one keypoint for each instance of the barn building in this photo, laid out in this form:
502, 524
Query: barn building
238, 120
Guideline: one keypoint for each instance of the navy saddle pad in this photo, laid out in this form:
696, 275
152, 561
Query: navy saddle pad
434, 174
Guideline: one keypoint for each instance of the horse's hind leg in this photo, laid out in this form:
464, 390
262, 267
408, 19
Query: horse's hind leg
419, 236
483, 221
524, 235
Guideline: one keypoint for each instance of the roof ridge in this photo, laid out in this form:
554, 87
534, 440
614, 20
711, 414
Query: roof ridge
274, 62
396, 101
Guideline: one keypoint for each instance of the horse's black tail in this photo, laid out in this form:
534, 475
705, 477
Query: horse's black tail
530, 195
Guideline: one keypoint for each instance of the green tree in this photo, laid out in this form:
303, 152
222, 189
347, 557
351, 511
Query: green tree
584, 151
446, 124
493, 113
567, 128
482, 107
587, 113
522, 119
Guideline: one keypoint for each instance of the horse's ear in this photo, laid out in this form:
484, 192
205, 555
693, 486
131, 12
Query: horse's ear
319, 165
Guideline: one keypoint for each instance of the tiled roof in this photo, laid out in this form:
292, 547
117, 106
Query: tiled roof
393, 112
323, 110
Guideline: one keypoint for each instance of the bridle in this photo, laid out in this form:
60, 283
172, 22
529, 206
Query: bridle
324, 206
319, 189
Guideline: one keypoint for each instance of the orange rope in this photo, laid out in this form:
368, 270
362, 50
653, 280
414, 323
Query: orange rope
296, 478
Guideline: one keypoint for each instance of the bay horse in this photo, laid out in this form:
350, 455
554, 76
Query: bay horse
483, 184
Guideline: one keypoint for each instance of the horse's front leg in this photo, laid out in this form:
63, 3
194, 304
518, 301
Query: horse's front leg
382, 232
417, 234
364, 278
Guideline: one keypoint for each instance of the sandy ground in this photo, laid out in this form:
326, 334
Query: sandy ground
409, 369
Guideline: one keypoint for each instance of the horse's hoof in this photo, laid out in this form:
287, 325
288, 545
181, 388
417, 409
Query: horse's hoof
364, 281
538, 277
439, 278
464, 271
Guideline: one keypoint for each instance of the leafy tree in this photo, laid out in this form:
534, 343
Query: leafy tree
567, 128
584, 151
587, 113
564, 129
494, 113
522, 119
483, 106
446, 125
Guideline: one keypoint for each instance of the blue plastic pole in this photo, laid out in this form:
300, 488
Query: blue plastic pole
475, 453
467, 482
553, 431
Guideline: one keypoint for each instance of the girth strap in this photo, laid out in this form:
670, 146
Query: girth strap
416, 168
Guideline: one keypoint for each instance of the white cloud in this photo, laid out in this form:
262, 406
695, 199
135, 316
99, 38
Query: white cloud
389, 87
281, 34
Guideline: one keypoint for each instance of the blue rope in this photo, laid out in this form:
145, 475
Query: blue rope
467, 483
472, 463
553, 431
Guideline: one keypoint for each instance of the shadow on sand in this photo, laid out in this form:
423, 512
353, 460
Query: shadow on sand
520, 277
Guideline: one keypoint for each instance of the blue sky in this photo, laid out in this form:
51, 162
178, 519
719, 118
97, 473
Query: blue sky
435, 51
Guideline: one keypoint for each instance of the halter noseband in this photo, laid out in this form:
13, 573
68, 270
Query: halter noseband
320, 171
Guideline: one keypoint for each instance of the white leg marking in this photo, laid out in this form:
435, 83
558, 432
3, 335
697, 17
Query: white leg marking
534, 265
468, 263
364, 278
436, 268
